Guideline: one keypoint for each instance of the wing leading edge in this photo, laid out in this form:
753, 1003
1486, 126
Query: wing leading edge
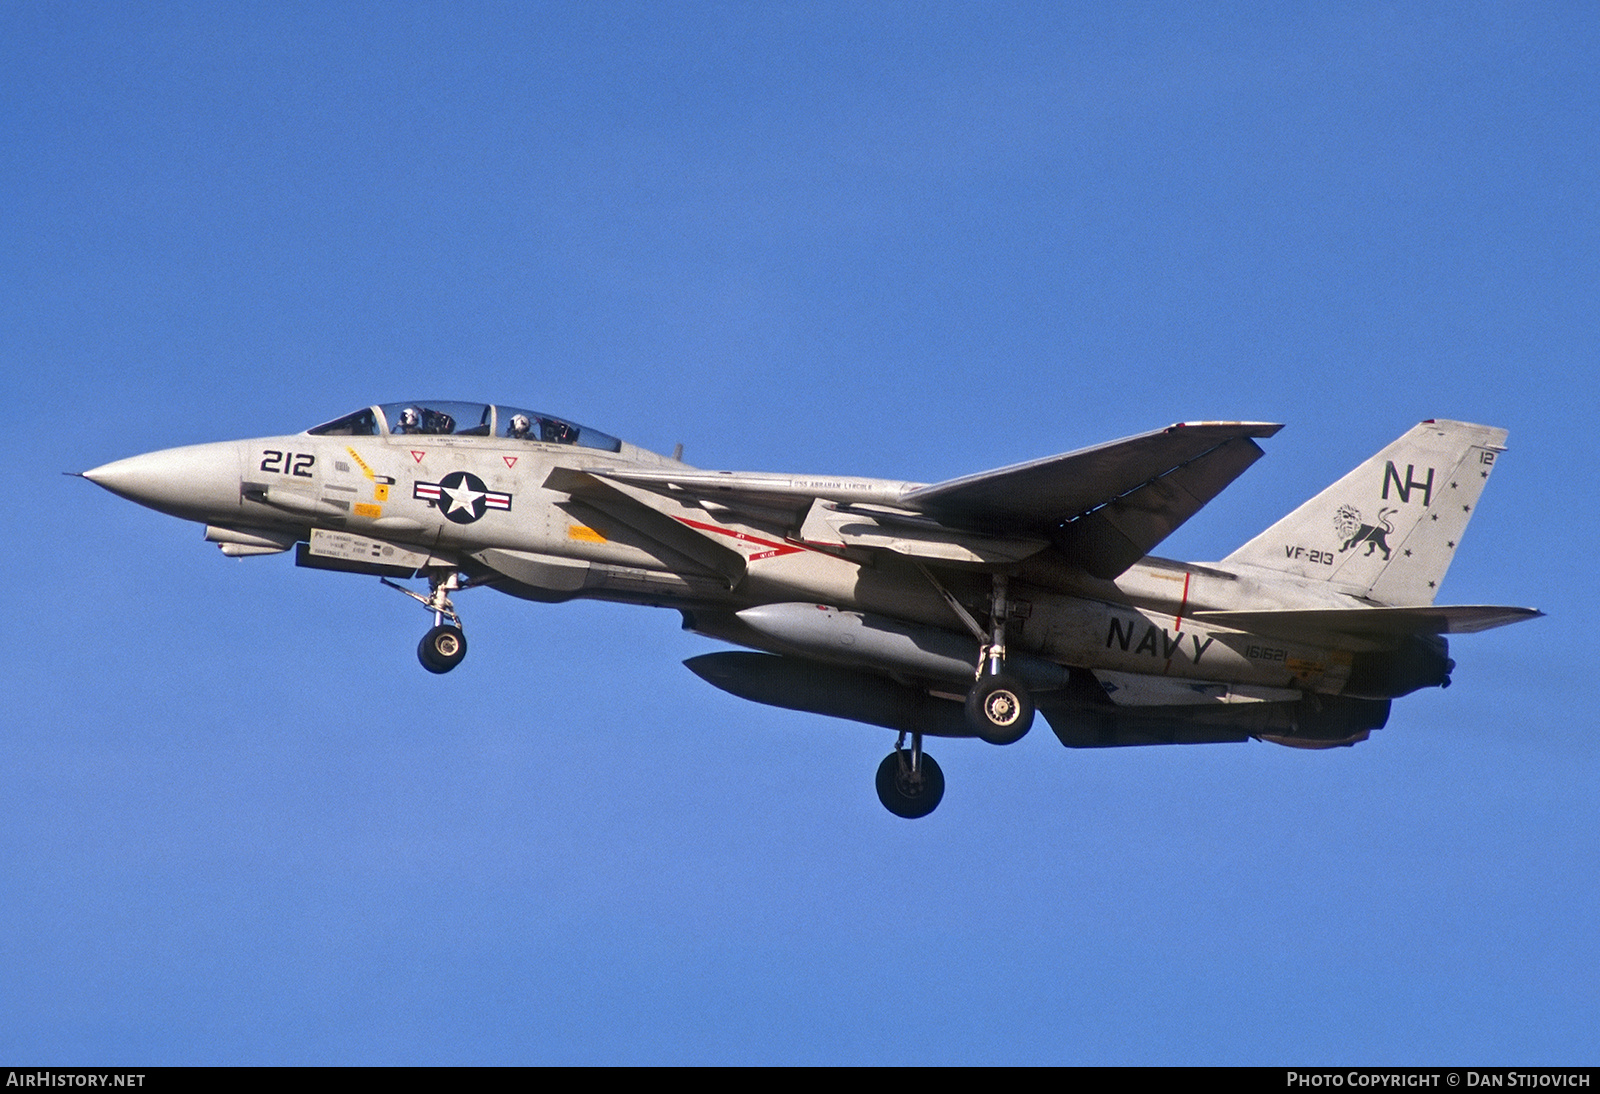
1109, 505
1042, 493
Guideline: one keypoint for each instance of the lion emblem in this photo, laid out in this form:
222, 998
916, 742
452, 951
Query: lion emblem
1347, 521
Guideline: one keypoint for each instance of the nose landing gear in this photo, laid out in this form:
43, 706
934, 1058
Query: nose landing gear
443, 647
910, 784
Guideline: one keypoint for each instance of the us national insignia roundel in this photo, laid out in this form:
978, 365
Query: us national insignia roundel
461, 496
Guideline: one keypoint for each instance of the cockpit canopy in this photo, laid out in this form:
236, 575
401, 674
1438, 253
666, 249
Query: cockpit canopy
507, 423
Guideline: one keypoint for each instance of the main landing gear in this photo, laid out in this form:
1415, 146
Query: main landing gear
999, 708
443, 647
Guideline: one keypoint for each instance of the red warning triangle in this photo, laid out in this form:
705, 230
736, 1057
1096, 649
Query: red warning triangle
511, 461
417, 455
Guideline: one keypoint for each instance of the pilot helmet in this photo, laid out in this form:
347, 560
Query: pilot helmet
410, 418
520, 425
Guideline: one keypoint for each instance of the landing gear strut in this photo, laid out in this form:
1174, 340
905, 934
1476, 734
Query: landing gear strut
999, 708
910, 784
443, 647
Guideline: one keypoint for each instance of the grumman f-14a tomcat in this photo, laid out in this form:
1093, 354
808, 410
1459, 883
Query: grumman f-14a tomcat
954, 609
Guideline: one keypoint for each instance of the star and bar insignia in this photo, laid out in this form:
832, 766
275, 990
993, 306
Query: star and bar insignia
461, 496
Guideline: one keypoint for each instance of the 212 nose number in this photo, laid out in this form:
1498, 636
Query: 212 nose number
288, 463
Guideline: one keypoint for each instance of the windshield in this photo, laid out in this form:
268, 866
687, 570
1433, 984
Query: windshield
363, 423
465, 420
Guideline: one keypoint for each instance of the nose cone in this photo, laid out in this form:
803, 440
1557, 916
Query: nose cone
200, 482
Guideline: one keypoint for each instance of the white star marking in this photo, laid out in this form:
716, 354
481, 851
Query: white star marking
460, 496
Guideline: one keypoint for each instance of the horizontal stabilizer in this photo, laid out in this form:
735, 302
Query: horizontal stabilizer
1371, 622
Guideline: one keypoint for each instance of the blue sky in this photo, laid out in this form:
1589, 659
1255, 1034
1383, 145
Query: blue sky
913, 241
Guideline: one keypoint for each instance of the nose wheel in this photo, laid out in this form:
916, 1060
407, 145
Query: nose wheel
910, 784
442, 648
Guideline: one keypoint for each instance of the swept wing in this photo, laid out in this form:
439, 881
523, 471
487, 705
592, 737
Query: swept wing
1107, 506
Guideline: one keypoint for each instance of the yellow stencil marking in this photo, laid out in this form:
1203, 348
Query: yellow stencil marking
365, 470
584, 533
362, 509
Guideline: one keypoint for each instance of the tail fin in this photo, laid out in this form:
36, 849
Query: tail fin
1388, 529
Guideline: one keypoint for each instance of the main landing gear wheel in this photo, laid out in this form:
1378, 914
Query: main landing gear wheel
442, 648
907, 793
999, 709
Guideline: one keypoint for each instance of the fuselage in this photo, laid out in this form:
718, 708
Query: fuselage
956, 609
496, 505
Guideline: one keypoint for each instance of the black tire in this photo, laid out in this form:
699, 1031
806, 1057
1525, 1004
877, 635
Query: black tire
442, 648
903, 795
999, 709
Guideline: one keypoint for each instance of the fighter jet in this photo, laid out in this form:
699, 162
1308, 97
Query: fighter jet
953, 609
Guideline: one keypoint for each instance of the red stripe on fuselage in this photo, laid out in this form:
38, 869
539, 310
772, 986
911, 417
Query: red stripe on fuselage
777, 549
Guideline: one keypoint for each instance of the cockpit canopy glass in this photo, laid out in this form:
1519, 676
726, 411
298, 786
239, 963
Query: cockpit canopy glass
465, 420
437, 419
516, 424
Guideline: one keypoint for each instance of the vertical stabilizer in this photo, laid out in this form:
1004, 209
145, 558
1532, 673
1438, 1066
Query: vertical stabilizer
1388, 529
